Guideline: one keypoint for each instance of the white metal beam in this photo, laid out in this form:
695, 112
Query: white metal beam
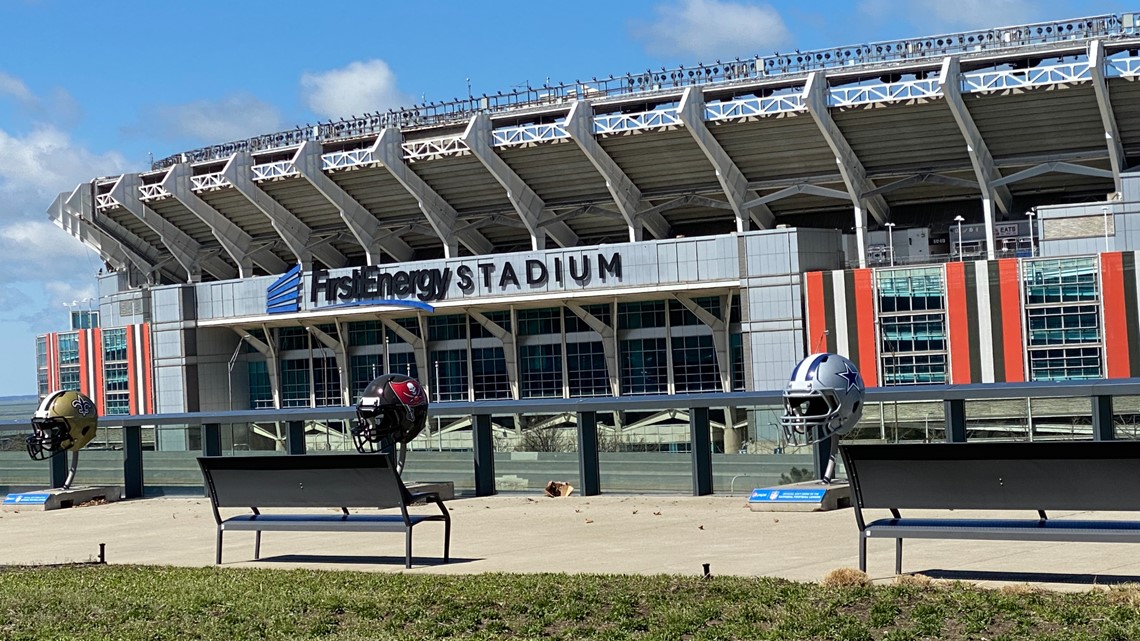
735, 186
1051, 167
627, 196
801, 188
609, 343
339, 355
850, 167
510, 349
1107, 118
526, 203
145, 256
66, 213
359, 220
439, 213
297, 236
233, 239
984, 169
185, 250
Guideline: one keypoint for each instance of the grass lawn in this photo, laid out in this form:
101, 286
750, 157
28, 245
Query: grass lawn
129, 602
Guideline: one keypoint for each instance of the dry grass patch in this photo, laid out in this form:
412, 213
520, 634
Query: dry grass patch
845, 578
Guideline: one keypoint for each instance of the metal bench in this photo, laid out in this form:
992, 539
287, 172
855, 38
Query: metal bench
315, 481
1036, 477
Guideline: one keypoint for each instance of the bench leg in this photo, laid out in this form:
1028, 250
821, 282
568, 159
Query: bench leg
408, 549
862, 552
218, 551
446, 541
898, 556
257, 545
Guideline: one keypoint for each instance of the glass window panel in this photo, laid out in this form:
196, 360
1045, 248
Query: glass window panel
694, 364
540, 370
489, 367
644, 366
586, 366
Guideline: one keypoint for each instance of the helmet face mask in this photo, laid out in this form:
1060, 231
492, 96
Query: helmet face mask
392, 409
64, 421
823, 398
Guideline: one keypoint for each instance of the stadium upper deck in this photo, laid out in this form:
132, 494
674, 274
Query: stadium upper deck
980, 124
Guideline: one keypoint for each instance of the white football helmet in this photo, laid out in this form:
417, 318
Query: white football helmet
823, 397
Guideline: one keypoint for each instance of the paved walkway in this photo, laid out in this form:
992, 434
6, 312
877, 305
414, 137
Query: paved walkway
523, 533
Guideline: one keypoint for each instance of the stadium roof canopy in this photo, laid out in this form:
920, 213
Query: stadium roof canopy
983, 124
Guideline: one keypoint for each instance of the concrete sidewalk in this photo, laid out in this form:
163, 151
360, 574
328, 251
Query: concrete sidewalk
524, 533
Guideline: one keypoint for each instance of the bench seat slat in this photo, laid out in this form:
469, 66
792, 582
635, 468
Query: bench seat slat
324, 522
1006, 529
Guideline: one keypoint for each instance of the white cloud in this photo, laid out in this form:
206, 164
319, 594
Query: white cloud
939, 16
358, 88
14, 87
45, 162
210, 121
713, 28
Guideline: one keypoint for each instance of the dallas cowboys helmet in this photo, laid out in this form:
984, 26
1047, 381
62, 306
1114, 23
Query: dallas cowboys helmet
823, 397
64, 421
393, 409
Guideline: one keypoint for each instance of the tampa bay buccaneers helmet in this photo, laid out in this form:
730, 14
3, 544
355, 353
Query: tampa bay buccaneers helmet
393, 409
64, 421
823, 397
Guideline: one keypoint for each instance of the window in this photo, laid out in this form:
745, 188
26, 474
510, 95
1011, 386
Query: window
644, 366
116, 381
641, 314
912, 325
449, 374
295, 382
1062, 309
447, 328
489, 367
540, 370
694, 364
365, 368
403, 363
326, 382
540, 322
586, 367
736, 347
260, 393
502, 318
365, 333
292, 338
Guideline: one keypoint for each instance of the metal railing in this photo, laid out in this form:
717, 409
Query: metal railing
648, 82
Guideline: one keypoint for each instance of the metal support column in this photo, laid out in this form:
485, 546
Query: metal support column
1102, 423
820, 455
132, 462
484, 455
702, 451
211, 439
295, 437
57, 469
589, 472
955, 420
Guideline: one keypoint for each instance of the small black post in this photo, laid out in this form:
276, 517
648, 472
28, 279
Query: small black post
484, 455
702, 450
132, 462
588, 470
1103, 426
955, 420
211, 439
57, 469
103, 553
295, 437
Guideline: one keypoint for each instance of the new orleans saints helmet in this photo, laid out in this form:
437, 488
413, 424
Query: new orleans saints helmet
393, 409
64, 421
823, 397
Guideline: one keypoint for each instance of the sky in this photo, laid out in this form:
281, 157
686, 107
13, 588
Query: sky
92, 89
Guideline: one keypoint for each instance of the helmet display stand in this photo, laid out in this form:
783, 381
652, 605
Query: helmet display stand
65, 421
822, 401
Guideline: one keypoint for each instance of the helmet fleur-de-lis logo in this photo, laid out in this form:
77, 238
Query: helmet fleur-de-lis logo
83, 405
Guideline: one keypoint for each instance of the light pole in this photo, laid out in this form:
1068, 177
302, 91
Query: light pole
891, 240
959, 220
1032, 214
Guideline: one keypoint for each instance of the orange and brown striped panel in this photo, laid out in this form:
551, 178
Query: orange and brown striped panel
983, 303
840, 310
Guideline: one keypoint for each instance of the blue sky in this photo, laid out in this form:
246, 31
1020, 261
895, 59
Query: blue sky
96, 88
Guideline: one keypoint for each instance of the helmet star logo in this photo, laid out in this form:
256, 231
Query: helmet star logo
851, 375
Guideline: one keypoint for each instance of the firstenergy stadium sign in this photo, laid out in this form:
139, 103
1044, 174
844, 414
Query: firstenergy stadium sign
374, 285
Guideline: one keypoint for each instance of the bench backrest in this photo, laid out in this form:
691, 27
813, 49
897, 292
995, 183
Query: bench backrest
334, 480
1083, 475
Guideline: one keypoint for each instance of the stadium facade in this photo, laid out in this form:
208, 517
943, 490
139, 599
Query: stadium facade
950, 209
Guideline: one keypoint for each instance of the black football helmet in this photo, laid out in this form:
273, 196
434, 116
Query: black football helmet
393, 409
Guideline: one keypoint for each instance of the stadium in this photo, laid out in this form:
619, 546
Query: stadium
945, 210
